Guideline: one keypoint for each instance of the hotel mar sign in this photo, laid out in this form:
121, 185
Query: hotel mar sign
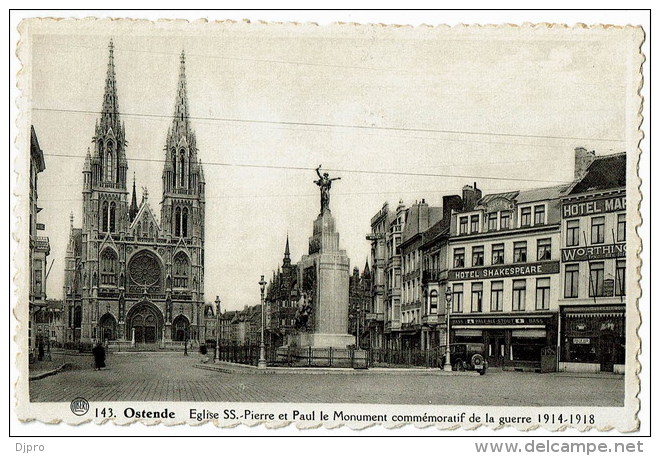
594, 206
509, 270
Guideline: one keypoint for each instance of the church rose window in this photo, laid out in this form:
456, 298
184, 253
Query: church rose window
144, 272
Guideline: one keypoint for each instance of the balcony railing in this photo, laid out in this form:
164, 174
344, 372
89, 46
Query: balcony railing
430, 275
110, 185
184, 191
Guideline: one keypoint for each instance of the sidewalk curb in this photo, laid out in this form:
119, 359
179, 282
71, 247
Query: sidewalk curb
231, 368
49, 373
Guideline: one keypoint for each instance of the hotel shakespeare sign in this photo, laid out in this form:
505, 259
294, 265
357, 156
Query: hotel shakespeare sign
500, 271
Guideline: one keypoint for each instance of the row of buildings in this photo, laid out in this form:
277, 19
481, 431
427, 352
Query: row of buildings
38, 252
527, 273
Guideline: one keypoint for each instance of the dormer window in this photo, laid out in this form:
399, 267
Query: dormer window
463, 225
492, 221
539, 215
526, 216
474, 223
505, 218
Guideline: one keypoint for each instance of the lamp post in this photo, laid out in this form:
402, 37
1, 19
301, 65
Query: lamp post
217, 331
448, 297
262, 349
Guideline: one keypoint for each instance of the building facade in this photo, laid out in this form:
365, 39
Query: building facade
419, 218
282, 300
593, 266
133, 277
504, 275
360, 322
434, 272
39, 247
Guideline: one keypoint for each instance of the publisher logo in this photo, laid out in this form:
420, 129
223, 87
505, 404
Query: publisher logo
79, 406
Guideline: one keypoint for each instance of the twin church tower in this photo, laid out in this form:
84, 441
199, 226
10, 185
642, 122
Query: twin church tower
130, 276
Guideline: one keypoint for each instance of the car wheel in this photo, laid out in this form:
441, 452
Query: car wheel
482, 372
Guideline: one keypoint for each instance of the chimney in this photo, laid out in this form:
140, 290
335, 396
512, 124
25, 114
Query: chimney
583, 159
423, 216
451, 203
471, 194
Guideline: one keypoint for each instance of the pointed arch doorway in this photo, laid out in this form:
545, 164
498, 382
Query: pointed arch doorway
180, 329
145, 324
108, 328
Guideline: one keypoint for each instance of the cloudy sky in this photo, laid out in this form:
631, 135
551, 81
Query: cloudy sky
398, 113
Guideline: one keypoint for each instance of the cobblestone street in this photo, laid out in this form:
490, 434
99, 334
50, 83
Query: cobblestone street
173, 377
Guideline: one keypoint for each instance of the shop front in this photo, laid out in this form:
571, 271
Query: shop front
593, 338
512, 342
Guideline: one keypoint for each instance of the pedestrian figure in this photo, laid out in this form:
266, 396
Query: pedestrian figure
185, 347
99, 356
41, 350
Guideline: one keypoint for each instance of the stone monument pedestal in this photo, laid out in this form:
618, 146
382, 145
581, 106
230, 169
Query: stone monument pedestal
324, 276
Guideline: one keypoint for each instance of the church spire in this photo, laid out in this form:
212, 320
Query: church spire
109, 163
133, 210
110, 110
287, 254
181, 170
181, 123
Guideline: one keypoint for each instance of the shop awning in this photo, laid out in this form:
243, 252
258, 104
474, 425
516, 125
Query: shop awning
530, 333
469, 332
594, 314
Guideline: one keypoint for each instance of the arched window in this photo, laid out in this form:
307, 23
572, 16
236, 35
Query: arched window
104, 216
108, 268
109, 162
181, 270
113, 208
182, 169
174, 167
151, 229
177, 221
138, 229
433, 304
184, 222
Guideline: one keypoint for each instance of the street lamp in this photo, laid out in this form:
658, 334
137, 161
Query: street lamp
262, 349
448, 297
217, 331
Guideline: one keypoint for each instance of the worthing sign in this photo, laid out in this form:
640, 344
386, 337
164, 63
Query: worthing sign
594, 252
494, 272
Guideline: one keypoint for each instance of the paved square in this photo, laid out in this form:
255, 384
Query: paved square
170, 377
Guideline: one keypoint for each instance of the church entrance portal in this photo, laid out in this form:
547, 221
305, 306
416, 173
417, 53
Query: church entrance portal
145, 323
180, 329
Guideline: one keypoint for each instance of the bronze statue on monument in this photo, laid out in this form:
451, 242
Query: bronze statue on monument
324, 184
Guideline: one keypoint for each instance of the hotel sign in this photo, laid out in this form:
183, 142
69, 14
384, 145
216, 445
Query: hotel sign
465, 321
594, 252
499, 271
596, 206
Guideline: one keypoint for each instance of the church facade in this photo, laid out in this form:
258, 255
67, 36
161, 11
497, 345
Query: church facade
132, 275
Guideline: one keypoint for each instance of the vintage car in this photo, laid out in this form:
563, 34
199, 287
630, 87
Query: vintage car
468, 356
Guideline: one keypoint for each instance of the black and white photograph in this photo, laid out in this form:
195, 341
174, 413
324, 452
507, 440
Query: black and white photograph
250, 222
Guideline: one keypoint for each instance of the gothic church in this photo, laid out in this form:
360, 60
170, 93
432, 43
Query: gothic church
131, 278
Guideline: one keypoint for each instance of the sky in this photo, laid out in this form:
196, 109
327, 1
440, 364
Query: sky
399, 113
